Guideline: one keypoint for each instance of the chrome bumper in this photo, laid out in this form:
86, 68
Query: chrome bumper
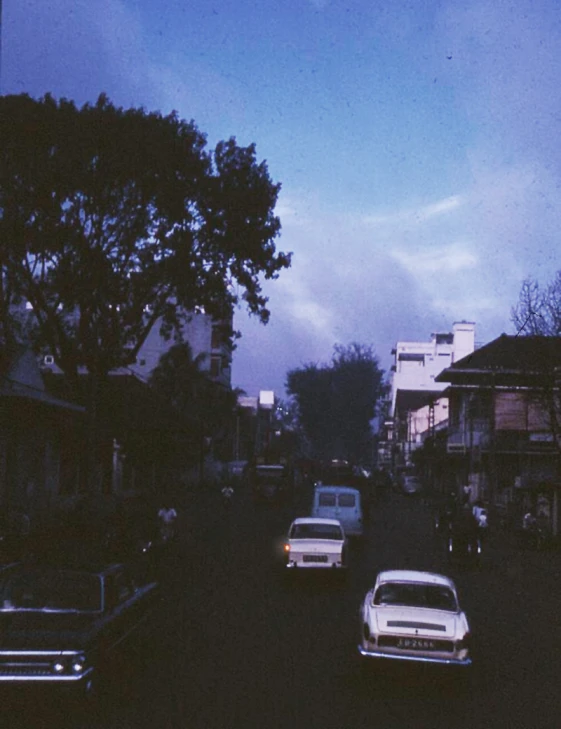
37, 667
324, 566
368, 653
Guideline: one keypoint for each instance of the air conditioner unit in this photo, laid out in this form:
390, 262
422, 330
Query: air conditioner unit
456, 448
48, 360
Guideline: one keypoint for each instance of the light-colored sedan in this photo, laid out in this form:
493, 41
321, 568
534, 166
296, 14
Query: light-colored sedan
315, 543
414, 616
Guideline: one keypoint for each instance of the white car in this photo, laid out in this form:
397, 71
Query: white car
314, 543
414, 616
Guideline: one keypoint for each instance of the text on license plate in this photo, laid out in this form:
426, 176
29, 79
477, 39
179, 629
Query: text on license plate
420, 644
314, 558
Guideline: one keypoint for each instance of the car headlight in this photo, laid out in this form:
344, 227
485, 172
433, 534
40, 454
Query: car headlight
59, 667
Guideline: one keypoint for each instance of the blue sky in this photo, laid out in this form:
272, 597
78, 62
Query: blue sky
417, 143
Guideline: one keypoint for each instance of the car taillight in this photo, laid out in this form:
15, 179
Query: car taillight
287, 548
463, 643
368, 636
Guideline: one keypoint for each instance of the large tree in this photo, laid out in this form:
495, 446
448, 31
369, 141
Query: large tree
538, 311
112, 220
537, 314
337, 402
206, 404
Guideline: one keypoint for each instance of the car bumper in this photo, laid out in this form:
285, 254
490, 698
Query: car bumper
26, 678
323, 567
414, 658
33, 667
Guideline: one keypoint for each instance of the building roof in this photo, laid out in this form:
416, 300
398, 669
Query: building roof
415, 399
508, 355
20, 377
127, 401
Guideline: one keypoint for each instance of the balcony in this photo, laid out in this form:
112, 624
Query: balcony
460, 439
519, 441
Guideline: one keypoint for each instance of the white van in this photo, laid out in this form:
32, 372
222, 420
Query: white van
342, 503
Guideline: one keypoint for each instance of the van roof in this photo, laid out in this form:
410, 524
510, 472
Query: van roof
337, 489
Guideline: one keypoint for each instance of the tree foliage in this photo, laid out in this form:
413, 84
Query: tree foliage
181, 380
538, 314
538, 311
337, 402
112, 220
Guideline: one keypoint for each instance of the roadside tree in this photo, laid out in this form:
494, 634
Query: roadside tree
114, 221
336, 403
538, 315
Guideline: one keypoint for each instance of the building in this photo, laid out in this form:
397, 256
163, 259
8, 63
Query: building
503, 442
209, 341
41, 442
417, 404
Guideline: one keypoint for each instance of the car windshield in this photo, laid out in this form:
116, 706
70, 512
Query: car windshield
316, 531
436, 597
50, 590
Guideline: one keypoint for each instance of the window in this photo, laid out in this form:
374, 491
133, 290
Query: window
316, 531
347, 500
216, 338
326, 500
215, 366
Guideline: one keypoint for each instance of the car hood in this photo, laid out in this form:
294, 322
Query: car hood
46, 631
312, 546
414, 621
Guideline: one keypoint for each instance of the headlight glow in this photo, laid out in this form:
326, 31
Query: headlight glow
58, 667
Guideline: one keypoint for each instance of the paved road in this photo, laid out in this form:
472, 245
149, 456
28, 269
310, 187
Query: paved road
239, 648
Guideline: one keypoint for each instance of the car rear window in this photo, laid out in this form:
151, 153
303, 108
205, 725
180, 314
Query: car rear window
437, 597
316, 531
327, 500
347, 500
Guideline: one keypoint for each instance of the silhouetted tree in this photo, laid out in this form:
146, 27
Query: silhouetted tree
112, 220
208, 405
538, 315
337, 402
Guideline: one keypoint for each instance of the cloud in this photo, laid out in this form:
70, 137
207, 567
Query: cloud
415, 214
449, 259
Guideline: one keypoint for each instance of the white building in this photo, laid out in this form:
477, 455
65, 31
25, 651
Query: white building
416, 364
416, 406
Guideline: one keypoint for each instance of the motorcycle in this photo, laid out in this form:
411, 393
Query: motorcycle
465, 549
227, 496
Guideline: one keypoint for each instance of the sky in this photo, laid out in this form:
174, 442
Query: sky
417, 144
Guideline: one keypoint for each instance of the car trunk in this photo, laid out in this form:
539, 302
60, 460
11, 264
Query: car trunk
416, 621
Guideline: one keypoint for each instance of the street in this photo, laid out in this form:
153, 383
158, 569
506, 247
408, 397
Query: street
236, 645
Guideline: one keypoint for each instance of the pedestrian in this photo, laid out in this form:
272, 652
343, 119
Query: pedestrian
167, 517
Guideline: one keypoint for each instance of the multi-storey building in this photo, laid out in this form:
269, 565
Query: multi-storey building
417, 405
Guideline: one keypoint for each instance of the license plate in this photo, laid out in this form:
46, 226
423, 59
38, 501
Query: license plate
314, 558
418, 644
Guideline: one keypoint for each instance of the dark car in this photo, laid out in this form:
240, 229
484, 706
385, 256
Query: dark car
61, 625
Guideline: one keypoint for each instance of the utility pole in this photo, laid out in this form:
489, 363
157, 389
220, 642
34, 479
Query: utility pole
0, 47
